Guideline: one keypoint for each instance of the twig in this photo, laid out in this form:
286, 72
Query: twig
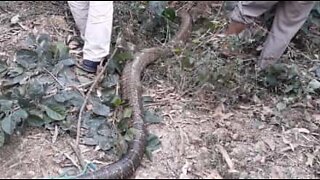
78, 154
56, 133
85, 84
97, 79
23, 27
226, 157
5, 11
72, 160
54, 77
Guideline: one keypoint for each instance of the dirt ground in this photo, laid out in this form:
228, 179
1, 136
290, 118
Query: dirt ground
202, 136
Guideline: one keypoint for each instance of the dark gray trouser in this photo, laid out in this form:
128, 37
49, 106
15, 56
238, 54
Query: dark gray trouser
289, 18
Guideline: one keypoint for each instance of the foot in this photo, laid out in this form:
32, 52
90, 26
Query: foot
265, 63
92, 66
89, 66
234, 28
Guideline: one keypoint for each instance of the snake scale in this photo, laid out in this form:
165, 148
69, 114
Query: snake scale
132, 91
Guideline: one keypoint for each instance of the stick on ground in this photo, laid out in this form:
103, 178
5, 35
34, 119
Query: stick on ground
96, 81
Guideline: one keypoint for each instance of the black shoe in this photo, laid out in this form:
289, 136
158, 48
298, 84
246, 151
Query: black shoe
89, 66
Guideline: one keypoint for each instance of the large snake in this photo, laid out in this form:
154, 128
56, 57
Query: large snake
132, 91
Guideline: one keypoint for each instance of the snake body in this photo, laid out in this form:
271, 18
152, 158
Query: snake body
132, 91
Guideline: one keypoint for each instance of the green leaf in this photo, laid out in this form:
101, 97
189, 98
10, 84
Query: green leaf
116, 101
13, 81
177, 50
84, 80
147, 99
60, 98
105, 143
151, 117
61, 51
15, 71
77, 99
2, 138
129, 134
57, 68
313, 86
127, 113
6, 105
3, 67
20, 115
100, 109
35, 89
113, 66
148, 153
124, 56
8, 125
90, 141
35, 121
26, 58
64, 96
153, 143
187, 62
110, 81
108, 95
36, 118
123, 125
47, 120
67, 76
68, 62
169, 13
30, 40
43, 39
55, 112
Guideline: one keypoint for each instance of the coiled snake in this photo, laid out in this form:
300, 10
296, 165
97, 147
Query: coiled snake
131, 91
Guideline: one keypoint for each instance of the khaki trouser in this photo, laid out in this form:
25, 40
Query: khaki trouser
94, 20
289, 18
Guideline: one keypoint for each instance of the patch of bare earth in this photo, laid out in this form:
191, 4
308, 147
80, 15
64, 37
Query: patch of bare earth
214, 140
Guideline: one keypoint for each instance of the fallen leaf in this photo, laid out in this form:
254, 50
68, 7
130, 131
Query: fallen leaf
303, 130
15, 19
310, 159
270, 143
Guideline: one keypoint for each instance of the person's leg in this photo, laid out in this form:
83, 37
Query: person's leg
289, 18
98, 33
245, 13
79, 10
